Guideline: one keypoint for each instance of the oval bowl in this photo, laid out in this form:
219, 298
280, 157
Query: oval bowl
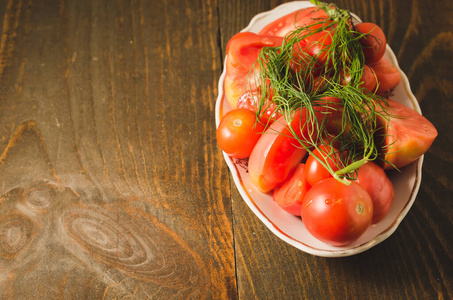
290, 228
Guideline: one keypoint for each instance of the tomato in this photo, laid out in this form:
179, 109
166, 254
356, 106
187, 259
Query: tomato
368, 79
408, 135
318, 45
237, 36
302, 62
238, 132
299, 18
276, 154
387, 75
379, 187
335, 213
243, 51
290, 193
268, 113
373, 42
314, 170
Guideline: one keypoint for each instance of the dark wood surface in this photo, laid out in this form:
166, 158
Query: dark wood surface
112, 184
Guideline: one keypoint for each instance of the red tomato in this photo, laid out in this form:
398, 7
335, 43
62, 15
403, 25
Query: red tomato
314, 170
387, 75
236, 36
284, 25
276, 154
379, 187
243, 51
368, 79
318, 45
302, 61
291, 192
238, 132
335, 213
373, 43
249, 101
409, 135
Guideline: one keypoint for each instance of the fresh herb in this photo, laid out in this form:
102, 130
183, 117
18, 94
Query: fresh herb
296, 80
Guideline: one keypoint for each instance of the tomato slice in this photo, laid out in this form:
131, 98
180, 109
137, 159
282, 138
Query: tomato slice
291, 192
243, 50
267, 113
276, 154
379, 187
299, 18
335, 213
408, 135
387, 76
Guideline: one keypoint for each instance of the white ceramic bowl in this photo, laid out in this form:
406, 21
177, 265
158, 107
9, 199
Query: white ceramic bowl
290, 228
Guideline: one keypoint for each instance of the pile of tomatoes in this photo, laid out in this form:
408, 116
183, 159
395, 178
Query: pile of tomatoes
333, 211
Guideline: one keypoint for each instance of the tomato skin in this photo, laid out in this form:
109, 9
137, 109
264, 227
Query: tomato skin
243, 50
276, 154
291, 192
314, 170
387, 76
373, 43
408, 135
335, 213
379, 187
238, 133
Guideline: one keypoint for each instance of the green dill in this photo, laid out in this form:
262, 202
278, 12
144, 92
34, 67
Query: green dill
296, 80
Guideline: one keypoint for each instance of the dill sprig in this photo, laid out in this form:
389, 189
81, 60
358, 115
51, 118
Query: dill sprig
295, 80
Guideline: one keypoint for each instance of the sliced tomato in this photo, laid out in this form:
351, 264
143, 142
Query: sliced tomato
379, 187
387, 76
267, 113
408, 135
291, 192
303, 17
276, 154
243, 51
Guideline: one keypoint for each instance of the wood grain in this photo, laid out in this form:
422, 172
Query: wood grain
112, 185
111, 179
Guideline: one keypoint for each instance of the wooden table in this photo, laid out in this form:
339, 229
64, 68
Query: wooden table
112, 184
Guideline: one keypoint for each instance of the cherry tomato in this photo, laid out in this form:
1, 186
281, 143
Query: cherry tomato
314, 170
373, 42
335, 213
379, 187
368, 79
243, 50
290, 193
276, 154
238, 132
387, 75
408, 135
318, 44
